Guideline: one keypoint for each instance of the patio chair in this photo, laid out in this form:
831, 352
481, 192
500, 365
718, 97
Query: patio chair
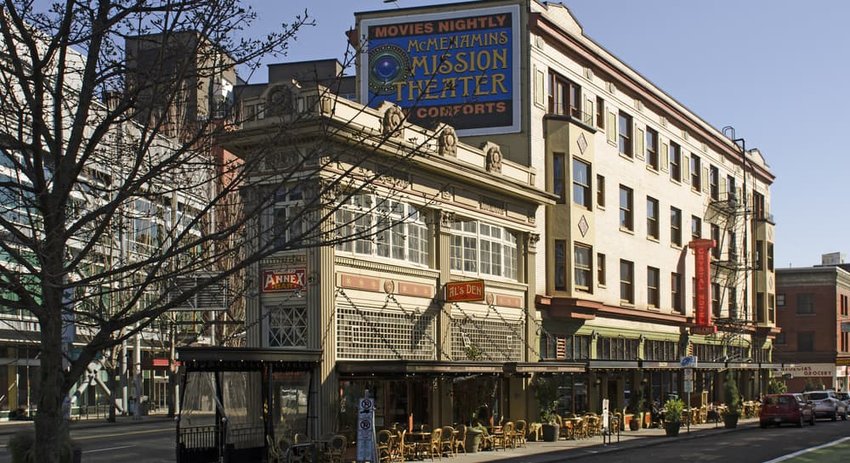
337, 445
447, 441
434, 446
460, 440
273, 451
520, 432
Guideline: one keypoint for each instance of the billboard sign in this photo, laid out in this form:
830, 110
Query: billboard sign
457, 67
702, 275
465, 291
277, 281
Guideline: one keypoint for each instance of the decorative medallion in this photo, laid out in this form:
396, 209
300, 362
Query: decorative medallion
583, 226
582, 143
494, 159
488, 298
448, 142
389, 286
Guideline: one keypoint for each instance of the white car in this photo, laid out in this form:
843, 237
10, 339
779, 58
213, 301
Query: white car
826, 405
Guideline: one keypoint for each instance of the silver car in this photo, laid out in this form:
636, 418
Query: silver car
826, 405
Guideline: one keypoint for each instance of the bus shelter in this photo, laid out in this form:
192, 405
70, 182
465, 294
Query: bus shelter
235, 401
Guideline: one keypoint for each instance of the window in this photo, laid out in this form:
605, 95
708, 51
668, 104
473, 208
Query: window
733, 247
379, 227
732, 293
558, 177
780, 300
652, 218
715, 299
696, 173
600, 191
770, 256
780, 338
627, 281
676, 292
676, 226
626, 205
715, 236
653, 280
696, 227
625, 134
560, 265
600, 269
805, 303
564, 96
581, 183
675, 162
731, 194
481, 248
760, 307
759, 212
805, 341
583, 267
844, 305
714, 182
652, 148
600, 112
757, 255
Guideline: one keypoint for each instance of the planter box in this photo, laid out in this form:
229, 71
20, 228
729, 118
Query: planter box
550, 432
671, 429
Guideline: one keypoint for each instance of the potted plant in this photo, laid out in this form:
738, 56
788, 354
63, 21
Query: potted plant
733, 401
673, 416
473, 438
635, 408
550, 427
546, 391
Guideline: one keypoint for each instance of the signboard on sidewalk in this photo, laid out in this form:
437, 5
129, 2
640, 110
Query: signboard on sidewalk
366, 450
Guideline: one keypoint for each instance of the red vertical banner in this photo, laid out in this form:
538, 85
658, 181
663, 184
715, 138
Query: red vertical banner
702, 266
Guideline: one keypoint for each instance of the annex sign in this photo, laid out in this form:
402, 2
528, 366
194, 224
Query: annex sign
459, 67
277, 281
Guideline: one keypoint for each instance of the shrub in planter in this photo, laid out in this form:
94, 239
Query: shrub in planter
473, 438
733, 401
550, 427
673, 416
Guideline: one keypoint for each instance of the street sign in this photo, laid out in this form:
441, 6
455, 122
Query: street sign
605, 415
689, 385
688, 374
366, 431
688, 362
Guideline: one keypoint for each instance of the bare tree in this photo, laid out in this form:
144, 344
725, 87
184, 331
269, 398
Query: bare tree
116, 191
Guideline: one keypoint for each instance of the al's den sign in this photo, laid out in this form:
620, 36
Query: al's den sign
459, 67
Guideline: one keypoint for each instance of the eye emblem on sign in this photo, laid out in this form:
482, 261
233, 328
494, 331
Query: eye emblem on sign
388, 65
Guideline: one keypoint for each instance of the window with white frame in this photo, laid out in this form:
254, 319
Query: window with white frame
482, 248
382, 228
583, 267
145, 232
288, 217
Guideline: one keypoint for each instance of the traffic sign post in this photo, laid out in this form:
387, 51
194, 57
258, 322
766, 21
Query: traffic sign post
366, 449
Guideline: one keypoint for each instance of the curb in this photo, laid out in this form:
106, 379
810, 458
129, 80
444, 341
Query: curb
11, 427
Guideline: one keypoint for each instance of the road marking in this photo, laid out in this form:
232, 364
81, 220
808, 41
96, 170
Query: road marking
108, 449
811, 449
98, 436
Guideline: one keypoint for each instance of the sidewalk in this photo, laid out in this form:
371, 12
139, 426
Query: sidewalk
546, 452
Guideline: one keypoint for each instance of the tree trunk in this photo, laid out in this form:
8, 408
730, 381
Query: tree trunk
51, 429
113, 386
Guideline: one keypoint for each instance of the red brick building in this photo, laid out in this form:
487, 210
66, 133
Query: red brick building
812, 310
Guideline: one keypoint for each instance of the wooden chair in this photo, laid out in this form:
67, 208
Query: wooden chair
520, 432
447, 441
273, 451
434, 446
385, 445
460, 440
404, 450
337, 445
487, 441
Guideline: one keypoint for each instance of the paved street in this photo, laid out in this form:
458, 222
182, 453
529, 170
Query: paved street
152, 440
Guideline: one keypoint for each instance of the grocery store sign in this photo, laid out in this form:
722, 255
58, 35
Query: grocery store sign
810, 370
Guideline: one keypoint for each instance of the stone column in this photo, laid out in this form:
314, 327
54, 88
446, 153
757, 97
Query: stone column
321, 307
442, 394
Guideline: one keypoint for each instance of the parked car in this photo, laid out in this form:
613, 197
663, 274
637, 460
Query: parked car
786, 408
826, 405
844, 397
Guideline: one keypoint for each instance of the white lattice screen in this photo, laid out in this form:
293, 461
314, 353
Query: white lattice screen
386, 333
483, 339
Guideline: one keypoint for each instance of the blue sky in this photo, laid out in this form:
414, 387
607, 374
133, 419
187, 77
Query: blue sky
776, 70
